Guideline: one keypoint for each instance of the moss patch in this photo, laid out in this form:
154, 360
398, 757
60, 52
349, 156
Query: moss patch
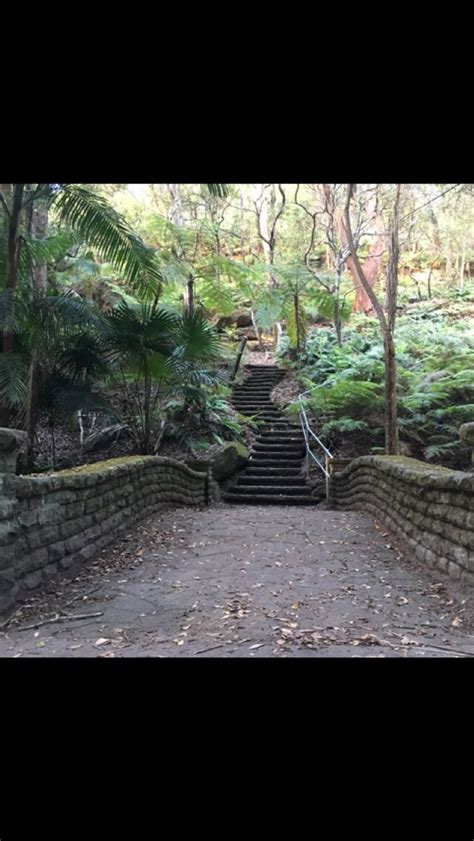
415, 464
98, 466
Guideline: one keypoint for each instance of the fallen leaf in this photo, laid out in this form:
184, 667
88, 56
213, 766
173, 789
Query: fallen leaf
403, 600
257, 645
102, 641
457, 621
295, 606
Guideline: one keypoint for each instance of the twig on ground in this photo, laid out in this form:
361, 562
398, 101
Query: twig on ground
60, 618
76, 598
6, 623
203, 650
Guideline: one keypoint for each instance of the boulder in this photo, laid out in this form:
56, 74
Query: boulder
434, 377
238, 318
226, 459
466, 434
106, 437
11, 442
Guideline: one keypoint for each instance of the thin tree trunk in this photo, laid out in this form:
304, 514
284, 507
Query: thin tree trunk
337, 321
242, 244
296, 302
391, 420
239, 357
257, 331
386, 323
40, 230
189, 296
363, 302
147, 412
463, 260
53, 442
13, 250
12, 258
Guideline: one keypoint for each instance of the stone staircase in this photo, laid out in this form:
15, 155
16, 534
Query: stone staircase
273, 475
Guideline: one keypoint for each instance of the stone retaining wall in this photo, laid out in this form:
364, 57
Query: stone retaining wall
429, 508
49, 523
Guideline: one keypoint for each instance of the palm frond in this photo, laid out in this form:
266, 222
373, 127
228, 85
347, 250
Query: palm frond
104, 229
196, 339
13, 379
218, 190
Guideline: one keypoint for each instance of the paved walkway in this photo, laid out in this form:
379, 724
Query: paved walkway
250, 581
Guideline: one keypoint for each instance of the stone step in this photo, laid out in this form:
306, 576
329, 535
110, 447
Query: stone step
291, 443
277, 427
279, 439
254, 410
255, 379
279, 455
246, 409
249, 401
265, 481
268, 416
265, 412
249, 395
268, 499
275, 449
253, 405
263, 372
282, 490
252, 392
273, 462
290, 472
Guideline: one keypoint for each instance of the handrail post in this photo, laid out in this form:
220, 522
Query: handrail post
307, 431
239, 357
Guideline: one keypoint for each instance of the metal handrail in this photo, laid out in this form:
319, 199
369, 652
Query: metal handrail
307, 432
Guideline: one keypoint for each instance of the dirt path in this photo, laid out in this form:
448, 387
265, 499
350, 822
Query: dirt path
250, 581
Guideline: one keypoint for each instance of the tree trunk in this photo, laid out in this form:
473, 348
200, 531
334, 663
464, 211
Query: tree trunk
32, 408
257, 331
189, 296
337, 321
239, 357
12, 258
296, 302
373, 260
386, 323
391, 420
40, 231
463, 260
263, 230
13, 250
147, 412
175, 209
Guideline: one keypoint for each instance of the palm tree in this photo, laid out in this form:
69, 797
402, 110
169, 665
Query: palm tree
154, 351
93, 220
